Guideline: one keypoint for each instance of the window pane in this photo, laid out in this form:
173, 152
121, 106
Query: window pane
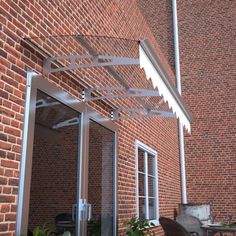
141, 185
100, 180
140, 160
151, 165
142, 211
151, 186
152, 209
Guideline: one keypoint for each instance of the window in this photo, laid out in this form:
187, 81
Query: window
147, 183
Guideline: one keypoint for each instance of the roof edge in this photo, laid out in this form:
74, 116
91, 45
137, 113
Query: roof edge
155, 60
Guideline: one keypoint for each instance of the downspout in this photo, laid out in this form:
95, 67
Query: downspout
178, 84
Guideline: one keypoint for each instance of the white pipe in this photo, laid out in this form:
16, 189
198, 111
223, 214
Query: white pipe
178, 84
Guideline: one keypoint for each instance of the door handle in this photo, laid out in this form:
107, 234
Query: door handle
83, 209
89, 209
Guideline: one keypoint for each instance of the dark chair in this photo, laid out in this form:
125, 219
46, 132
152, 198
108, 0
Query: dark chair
173, 228
64, 223
63, 217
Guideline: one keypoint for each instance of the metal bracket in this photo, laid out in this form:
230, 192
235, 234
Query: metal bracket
130, 92
69, 122
109, 69
44, 103
139, 113
85, 61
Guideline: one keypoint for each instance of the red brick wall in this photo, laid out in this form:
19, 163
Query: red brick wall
208, 49
111, 18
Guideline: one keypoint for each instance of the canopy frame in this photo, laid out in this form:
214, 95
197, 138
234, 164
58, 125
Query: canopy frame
147, 60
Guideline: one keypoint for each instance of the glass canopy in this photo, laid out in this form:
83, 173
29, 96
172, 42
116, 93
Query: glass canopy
112, 69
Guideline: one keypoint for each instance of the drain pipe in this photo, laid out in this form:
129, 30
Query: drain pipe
178, 84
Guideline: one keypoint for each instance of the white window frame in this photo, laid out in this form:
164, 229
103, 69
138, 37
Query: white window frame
147, 150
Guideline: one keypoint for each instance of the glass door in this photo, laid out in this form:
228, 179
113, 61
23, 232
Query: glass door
101, 181
68, 165
54, 184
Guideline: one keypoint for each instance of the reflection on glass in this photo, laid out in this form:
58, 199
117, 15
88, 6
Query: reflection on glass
54, 166
140, 160
151, 184
142, 212
152, 213
141, 181
151, 164
100, 180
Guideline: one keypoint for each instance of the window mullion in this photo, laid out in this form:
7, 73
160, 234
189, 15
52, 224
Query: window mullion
146, 184
156, 188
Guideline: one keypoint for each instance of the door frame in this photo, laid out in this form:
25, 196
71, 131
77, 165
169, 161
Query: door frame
37, 82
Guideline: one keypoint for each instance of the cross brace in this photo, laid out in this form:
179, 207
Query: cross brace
115, 115
140, 113
86, 61
44, 103
130, 92
69, 122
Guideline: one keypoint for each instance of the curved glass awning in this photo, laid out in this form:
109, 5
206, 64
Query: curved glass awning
113, 69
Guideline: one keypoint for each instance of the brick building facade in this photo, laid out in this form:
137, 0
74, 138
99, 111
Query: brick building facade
119, 19
207, 55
